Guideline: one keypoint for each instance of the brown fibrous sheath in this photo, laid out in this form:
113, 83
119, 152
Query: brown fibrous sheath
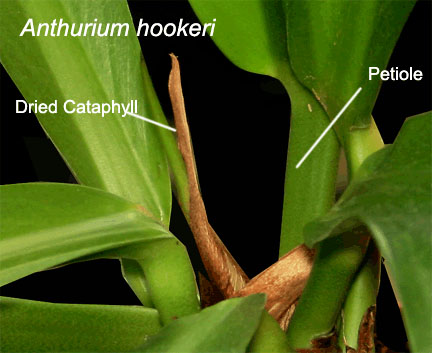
221, 267
283, 282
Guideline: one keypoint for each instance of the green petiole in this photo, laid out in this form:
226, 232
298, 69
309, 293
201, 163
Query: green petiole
337, 261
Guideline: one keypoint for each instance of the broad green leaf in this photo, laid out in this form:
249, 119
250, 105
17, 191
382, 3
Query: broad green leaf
225, 327
31, 326
332, 44
122, 155
392, 197
252, 35
47, 224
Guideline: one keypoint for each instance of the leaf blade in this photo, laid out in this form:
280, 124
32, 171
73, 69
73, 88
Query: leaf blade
225, 327
46, 224
49, 224
392, 196
245, 28
31, 326
326, 34
121, 155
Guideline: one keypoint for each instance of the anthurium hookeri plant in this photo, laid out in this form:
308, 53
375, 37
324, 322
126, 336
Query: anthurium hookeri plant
321, 293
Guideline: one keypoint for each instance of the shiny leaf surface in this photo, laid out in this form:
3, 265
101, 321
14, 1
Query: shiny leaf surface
250, 33
392, 197
122, 155
46, 224
225, 327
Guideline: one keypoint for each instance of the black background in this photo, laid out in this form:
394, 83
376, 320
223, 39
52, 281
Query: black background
239, 123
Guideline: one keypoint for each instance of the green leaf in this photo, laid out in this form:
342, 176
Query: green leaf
176, 164
252, 35
332, 44
47, 224
225, 327
121, 155
392, 197
30, 326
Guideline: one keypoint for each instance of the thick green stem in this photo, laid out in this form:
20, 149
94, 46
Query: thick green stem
310, 189
361, 143
169, 275
269, 337
363, 291
338, 259
361, 296
171, 280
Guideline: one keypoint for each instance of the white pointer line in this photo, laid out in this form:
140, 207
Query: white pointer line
328, 127
151, 121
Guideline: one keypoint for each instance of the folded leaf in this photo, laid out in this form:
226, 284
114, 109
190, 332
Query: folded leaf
134, 276
225, 327
48, 224
122, 155
392, 197
31, 326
